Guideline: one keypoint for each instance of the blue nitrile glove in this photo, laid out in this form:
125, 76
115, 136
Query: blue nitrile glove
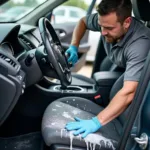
84, 126
72, 52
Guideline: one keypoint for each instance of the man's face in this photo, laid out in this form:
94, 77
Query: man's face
111, 28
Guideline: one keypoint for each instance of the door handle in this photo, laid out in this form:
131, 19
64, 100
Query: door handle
142, 141
60, 33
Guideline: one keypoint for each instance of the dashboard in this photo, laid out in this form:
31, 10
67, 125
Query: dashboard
16, 39
7, 47
17, 42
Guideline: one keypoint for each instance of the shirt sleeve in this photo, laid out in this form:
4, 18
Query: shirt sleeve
136, 56
92, 22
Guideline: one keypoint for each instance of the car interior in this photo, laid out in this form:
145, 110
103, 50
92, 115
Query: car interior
33, 108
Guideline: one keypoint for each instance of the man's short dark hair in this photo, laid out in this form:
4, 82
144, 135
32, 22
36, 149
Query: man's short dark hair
123, 8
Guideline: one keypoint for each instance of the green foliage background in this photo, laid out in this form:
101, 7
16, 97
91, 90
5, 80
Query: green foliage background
77, 3
30, 3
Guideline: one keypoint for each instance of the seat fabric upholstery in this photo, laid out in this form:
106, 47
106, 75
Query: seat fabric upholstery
63, 111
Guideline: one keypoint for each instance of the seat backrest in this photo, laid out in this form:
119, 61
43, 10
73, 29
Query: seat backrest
116, 87
108, 65
105, 64
141, 9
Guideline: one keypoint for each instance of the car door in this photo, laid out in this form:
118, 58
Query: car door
64, 25
137, 131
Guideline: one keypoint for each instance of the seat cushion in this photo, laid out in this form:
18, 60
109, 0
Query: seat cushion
63, 111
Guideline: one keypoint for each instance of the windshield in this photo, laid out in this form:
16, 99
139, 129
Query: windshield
14, 10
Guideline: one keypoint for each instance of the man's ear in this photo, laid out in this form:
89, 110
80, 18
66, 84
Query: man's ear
127, 22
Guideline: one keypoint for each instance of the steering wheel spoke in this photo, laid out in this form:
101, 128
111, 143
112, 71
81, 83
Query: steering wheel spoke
55, 52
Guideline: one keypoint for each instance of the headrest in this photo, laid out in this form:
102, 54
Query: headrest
141, 9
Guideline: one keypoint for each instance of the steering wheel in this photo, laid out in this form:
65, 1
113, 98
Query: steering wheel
55, 52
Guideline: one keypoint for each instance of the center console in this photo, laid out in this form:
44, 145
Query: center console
98, 92
70, 89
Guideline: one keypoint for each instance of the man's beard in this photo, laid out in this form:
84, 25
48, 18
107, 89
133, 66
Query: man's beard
115, 39
110, 39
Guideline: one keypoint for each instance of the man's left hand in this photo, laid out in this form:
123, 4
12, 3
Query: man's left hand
84, 126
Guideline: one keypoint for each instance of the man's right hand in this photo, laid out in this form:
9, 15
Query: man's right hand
72, 53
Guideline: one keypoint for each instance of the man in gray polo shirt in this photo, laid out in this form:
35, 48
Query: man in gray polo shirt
127, 43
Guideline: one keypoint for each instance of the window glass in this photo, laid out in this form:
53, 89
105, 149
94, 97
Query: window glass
14, 10
59, 13
74, 14
93, 40
71, 11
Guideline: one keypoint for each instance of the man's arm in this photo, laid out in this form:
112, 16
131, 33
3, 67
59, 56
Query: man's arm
78, 32
119, 103
89, 22
72, 51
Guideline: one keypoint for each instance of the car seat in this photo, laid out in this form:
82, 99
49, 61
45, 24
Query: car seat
63, 110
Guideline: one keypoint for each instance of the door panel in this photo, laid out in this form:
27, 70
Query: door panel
137, 128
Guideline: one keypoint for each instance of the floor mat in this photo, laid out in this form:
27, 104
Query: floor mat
32, 141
